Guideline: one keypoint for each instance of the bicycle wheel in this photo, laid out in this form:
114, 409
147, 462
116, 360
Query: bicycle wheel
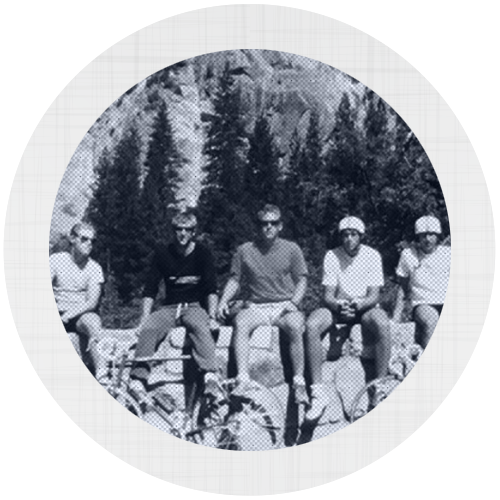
253, 421
372, 395
122, 395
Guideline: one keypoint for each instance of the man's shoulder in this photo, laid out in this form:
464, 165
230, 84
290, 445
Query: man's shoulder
333, 253
369, 252
288, 244
93, 264
246, 247
203, 250
409, 252
444, 251
60, 257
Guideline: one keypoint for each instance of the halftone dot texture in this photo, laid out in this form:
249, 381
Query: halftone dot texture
231, 131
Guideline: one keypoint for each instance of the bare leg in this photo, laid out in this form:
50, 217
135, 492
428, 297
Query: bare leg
293, 325
375, 325
89, 324
317, 323
426, 318
245, 323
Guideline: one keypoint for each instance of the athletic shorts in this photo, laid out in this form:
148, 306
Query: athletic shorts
437, 307
270, 312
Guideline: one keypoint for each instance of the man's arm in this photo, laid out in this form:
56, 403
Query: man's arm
300, 291
91, 301
230, 290
330, 299
403, 289
147, 306
370, 300
152, 283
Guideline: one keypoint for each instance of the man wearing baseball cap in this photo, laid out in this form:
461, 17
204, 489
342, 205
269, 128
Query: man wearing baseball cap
352, 277
423, 272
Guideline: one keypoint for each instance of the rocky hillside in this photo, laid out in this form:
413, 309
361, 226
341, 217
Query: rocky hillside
282, 85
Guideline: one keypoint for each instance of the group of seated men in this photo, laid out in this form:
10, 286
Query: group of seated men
275, 275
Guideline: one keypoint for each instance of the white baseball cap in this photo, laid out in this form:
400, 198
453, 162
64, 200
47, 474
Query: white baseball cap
427, 224
352, 223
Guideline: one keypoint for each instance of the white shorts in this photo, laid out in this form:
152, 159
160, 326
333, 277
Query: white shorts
270, 312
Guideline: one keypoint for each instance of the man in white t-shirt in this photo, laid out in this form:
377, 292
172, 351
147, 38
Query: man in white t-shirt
423, 272
352, 277
76, 281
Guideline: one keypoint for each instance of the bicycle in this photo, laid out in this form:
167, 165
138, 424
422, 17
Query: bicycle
403, 359
253, 421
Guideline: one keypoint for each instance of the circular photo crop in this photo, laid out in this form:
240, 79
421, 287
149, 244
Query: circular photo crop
250, 250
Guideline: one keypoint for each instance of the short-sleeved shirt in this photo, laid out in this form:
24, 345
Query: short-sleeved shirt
188, 278
352, 276
428, 273
271, 275
70, 282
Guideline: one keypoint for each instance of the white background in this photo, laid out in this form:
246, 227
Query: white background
437, 66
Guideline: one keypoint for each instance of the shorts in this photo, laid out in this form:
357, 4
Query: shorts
270, 312
437, 307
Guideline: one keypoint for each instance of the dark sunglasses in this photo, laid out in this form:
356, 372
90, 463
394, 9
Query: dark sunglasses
178, 229
265, 223
85, 239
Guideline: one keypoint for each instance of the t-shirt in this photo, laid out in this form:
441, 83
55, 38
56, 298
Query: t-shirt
428, 273
271, 275
352, 275
71, 283
188, 278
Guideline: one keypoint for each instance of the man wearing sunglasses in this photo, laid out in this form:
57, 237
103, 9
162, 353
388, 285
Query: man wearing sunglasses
77, 280
275, 273
187, 270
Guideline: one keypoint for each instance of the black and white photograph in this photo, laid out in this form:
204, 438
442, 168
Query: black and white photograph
250, 250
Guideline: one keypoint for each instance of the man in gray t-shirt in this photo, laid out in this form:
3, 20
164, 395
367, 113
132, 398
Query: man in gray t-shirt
276, 275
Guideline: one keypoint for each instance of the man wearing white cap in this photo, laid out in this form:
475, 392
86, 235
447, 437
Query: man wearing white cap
352, 277
423, 273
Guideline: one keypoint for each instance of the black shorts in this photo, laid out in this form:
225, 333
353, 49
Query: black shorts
437, 307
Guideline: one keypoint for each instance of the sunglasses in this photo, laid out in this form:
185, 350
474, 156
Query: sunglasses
179, 229
85, 239
265, 223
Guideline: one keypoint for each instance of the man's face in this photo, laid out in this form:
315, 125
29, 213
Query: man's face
82, 242
184, 233
270, 226
351, 240
427, 242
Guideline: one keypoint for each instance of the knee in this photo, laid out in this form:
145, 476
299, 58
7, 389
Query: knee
315, 325
426, 316
243, 323
195, 320
376, 319
90, 323
295, 324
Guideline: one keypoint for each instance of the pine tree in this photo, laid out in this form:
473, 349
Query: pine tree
128, 234
115, 212
162, 164
225, 147
262, 173
98, 211
305, 185
223, 217
343, 159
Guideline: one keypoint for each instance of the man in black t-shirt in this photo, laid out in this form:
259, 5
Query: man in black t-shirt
187, 268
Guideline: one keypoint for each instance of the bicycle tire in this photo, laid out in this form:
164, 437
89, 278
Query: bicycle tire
253, 421
383, 387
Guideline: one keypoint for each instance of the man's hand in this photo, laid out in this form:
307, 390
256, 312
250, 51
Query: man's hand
67, 316
213, 324
222, 311
347, 308
289, 307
